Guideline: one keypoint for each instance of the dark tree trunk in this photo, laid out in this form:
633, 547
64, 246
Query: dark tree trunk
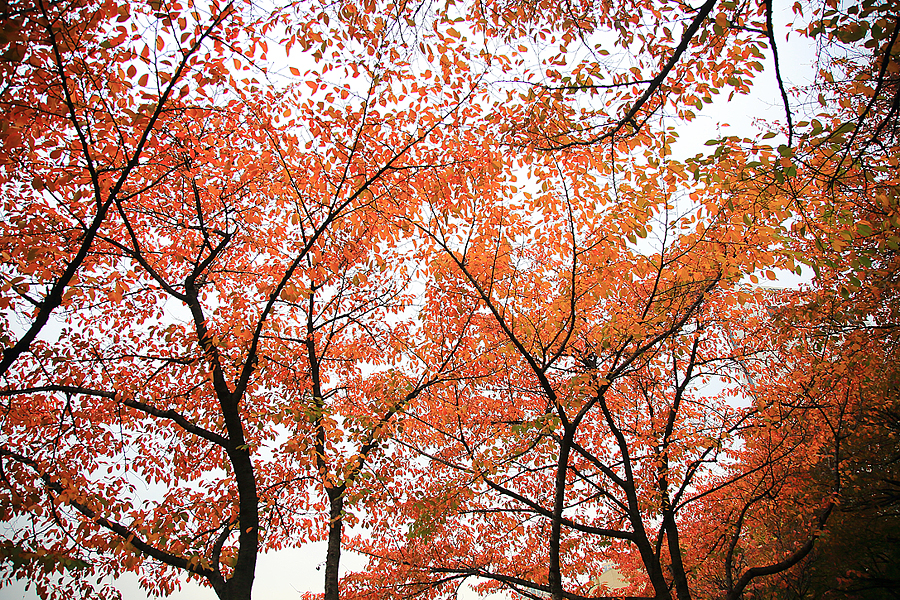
335, 533
682, 591
555, 572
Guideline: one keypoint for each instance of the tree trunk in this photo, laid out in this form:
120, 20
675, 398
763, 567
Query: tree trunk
234, 590
335, 534
682, 591
554, 577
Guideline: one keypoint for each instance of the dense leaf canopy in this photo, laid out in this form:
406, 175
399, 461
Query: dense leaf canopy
441, 272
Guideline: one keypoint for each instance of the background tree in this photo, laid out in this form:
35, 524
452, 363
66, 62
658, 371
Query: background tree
840, 180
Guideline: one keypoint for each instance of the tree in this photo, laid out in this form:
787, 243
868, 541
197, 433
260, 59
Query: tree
592, 434
218, 308
69, 140
266, 300
85, 98
506, 500
840, 181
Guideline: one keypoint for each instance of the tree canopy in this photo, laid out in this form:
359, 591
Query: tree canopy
439, 271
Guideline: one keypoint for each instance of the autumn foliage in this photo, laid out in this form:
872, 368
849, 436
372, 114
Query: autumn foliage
443, 272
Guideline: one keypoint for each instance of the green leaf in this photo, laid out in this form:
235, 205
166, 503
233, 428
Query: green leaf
846, 127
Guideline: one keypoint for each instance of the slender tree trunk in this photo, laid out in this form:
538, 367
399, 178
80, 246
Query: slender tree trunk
554, 577
670, 527
682, 591
335, 534
641, 540
241, 582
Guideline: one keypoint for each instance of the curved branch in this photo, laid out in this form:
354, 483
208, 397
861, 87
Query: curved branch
66, 389
783, 565
530, 585
182, 422
655, 83
129, 535
770, 34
